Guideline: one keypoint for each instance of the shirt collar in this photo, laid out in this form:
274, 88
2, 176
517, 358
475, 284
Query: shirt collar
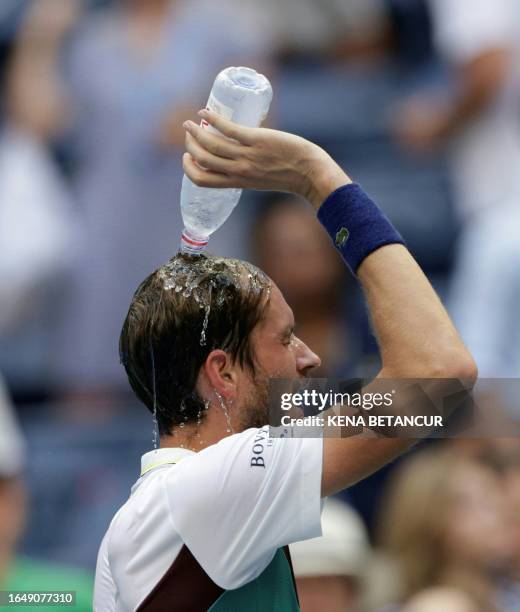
163, 456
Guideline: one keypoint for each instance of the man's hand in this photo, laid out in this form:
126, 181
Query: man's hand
258, 158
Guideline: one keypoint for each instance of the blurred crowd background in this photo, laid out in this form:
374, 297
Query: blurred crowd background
419, 100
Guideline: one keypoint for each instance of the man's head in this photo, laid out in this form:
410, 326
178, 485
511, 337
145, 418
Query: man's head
205, 331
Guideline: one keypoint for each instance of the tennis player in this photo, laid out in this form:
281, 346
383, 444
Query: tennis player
207, 524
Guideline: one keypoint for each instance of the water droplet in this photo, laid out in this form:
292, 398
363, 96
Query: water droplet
222, 403
155, 434
221, 298
205, 325
199, 420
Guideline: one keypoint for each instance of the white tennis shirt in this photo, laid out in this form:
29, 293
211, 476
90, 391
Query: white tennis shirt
229, 507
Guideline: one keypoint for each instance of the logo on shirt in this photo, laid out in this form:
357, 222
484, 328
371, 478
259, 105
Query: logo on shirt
260, 441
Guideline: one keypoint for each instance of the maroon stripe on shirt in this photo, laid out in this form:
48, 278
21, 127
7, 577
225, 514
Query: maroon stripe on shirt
184, 588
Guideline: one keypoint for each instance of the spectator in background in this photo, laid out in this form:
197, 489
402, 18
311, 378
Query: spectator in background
36, 235
317, 288
445, 523
479, 117
328, 29
503, 456
18, 573
447, 600
124, 78
486, 290
329, 570
36, 230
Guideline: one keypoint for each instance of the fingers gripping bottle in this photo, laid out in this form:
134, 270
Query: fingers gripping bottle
243, 96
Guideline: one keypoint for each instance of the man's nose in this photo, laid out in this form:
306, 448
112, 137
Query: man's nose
306, 360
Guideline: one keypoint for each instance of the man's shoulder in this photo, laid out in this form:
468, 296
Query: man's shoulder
143, 514
238, 451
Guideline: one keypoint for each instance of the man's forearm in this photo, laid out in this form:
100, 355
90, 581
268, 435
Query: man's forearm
416, 340
415, 334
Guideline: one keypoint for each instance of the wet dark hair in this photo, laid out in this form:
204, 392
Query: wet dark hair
178, 315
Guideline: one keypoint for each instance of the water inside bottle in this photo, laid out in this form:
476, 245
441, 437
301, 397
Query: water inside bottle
243, 95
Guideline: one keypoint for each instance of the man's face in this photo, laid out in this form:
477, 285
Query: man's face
278, 354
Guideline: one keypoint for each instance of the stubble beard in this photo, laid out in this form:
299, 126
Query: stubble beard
255, 411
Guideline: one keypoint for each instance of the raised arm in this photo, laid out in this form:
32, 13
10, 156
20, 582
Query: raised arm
416, 337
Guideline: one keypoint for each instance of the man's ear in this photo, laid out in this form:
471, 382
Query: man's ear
221, 373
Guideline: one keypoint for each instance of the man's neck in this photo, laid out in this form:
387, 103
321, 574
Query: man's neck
192, 437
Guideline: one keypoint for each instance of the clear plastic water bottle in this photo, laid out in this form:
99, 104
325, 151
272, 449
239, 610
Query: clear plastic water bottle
243, 96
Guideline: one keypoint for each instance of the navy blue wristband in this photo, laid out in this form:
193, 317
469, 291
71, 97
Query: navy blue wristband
356, 224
